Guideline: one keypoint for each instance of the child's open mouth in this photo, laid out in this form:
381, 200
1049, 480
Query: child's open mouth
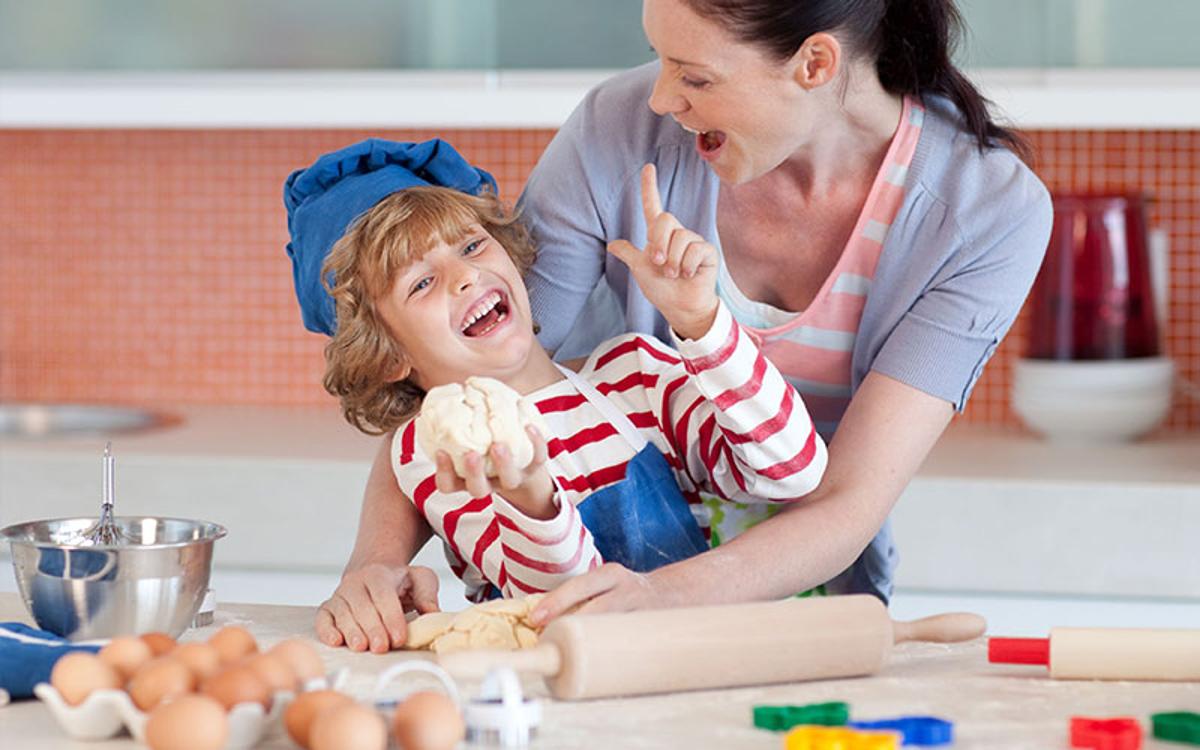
485, 315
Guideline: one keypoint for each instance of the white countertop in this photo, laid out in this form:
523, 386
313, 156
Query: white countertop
993, 707
1015, 514
1030, 98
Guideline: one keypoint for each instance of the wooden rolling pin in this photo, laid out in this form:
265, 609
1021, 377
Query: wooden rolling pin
669, 650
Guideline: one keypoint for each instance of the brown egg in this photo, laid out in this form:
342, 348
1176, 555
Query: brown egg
349, 726
299, 716
189, 722
302, 656
126, 654
159, 679
236, 685
428, 720
159, 643
233, 643
78, 674
273, 670
201, 658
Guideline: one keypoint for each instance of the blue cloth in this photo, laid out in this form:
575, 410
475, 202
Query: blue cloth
27, 655
643, 521
324, 199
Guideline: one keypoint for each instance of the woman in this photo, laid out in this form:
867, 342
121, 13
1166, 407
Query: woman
878, 236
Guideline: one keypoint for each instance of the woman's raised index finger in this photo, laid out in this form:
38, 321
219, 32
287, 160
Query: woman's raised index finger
651, 202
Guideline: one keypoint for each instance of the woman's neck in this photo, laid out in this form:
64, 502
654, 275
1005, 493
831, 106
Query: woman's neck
851, 137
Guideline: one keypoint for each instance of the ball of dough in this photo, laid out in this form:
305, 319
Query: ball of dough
475, 415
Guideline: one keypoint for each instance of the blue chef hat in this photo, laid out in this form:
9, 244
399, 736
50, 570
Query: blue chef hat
324, 199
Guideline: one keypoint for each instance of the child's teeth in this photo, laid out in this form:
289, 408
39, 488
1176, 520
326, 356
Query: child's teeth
487, 306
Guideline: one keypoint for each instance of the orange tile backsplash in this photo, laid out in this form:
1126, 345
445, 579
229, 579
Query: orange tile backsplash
147, 266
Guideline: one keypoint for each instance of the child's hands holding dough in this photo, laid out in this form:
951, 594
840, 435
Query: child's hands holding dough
677, 270
530, 489
486, 438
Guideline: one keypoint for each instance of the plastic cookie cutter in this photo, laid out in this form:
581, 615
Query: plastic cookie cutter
838, 738
391, 673
1177, 726
924, 731
1122, 733
783, 718
501, 715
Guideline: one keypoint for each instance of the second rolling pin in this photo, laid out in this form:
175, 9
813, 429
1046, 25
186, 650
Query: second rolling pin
669, 650
1107, 653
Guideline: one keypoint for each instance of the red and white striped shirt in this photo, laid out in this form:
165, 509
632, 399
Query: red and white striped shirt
722, 415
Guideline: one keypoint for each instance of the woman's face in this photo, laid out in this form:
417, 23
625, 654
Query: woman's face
747, 109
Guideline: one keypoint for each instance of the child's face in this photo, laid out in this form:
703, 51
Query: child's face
461, 310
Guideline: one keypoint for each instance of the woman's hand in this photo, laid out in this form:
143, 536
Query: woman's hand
610, 588
367, 608
529, 489
677, 270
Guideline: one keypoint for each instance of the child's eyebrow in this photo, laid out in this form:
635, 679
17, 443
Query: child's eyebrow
406, 269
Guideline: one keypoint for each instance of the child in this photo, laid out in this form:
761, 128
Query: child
427, 282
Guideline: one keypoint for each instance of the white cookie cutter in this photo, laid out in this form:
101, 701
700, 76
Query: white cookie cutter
414, 665
501, 714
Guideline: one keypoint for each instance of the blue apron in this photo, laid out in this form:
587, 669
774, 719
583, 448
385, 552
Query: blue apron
643, 521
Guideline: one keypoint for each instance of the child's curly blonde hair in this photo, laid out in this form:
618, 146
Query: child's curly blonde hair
362, 358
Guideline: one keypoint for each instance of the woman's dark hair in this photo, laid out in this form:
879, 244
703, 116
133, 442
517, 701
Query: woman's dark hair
911, 41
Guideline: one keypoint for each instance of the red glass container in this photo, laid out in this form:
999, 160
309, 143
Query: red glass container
1093, 298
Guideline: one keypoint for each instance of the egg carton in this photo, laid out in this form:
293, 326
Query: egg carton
104, 713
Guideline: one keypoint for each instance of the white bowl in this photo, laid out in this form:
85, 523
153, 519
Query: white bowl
1145, 374
1093, 401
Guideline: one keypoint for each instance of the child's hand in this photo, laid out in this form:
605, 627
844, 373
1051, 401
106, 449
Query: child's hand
677, 270
530, 490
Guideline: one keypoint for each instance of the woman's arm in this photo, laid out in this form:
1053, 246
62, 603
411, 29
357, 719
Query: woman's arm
560, 209
367, 608
885, 435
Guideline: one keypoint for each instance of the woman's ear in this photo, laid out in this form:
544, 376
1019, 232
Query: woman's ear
817, 61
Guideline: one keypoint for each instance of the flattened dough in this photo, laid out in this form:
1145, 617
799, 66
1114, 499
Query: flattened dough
496, 624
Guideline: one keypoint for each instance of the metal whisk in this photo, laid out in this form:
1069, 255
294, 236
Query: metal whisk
105, 531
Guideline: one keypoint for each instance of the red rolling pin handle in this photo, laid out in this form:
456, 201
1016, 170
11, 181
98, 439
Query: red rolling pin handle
1019, 651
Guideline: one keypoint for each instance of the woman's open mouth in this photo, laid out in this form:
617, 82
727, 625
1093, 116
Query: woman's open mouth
485, 315
709, 143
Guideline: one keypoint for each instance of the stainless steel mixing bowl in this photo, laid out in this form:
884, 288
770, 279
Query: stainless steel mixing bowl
154, 581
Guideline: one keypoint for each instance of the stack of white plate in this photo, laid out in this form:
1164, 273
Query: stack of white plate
1094, 400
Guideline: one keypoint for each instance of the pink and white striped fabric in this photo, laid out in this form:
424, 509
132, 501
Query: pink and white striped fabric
722, 415
813, 348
